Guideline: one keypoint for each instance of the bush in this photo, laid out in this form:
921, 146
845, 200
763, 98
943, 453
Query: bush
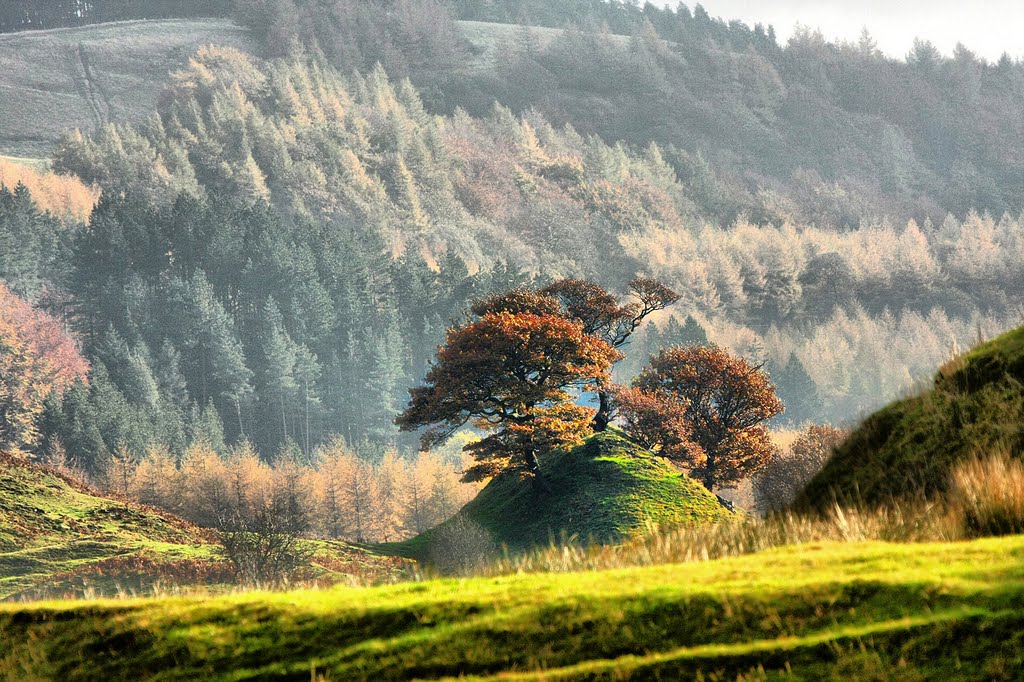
782, 479
461, 546
265, 548
988, 495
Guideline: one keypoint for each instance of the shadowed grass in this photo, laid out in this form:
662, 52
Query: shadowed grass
910, 448
816, 609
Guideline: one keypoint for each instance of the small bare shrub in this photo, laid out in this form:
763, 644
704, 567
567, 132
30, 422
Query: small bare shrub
461, 546
988, 495
264, 548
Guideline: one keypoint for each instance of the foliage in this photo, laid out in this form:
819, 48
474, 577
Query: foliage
37, 360
785, 476
706, 409
59, 195
510, 373
264, 546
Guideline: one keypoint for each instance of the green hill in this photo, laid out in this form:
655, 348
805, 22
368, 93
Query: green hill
58, 537
61, 79
604, 490
822, 611
975, 407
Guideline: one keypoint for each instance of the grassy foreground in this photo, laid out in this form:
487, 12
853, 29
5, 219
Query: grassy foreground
823, 611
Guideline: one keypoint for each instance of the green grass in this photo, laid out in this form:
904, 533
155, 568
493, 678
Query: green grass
823, 611
606, 490
45, 88
59, 538
908, 449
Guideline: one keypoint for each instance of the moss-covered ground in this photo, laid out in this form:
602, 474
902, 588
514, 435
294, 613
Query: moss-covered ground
950, 611
606, 490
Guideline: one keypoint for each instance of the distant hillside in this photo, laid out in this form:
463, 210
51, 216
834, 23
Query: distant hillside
975, 407
605, 490
58, 538
61, 79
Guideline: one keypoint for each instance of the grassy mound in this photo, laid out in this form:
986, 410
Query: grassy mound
906, 450
823, 611
58, 537
605, 490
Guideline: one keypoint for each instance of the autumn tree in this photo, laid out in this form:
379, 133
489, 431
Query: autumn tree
510, 374
778, 483
706, 409
604, 316
37, 359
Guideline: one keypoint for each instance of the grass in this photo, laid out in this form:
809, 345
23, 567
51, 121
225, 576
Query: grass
604, 491
909, 449
821, 611
62, 79
58, 537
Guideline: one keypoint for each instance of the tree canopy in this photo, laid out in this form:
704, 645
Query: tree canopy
510, 373
705, 408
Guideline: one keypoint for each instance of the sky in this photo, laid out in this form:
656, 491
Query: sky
987, 27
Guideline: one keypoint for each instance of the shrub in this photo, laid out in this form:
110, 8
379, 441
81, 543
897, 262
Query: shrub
461, 546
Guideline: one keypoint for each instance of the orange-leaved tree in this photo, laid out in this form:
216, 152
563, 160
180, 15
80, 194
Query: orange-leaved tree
600, 313
706, 409
37, 357
512, 374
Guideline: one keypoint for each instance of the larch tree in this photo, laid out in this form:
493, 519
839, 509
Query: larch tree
510, 374
706, 409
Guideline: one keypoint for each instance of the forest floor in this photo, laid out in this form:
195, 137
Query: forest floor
819, 611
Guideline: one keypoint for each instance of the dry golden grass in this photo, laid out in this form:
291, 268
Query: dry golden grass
64, 196
988, 494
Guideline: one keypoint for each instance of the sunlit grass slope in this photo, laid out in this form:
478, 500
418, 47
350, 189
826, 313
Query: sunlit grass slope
832, 611
52, 81
908, 449
605, 490
59, 538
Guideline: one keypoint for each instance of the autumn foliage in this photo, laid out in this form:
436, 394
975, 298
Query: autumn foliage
37, 357
706, 409
510, 374
64, 196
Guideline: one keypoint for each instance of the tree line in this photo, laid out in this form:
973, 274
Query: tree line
25, 15
810, 130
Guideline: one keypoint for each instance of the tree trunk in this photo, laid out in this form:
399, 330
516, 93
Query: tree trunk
603, 416
533, 465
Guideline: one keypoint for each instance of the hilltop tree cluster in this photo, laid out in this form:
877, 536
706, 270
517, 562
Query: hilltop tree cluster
517, 369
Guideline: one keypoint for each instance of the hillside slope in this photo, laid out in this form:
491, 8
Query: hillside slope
57, 80
975, 407
60, 538
851, 611
604, 490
